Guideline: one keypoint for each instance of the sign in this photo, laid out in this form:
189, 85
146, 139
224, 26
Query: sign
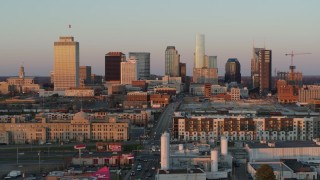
80, 146
108, 147
115, 147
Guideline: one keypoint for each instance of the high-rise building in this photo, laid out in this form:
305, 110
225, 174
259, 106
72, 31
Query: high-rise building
66, 63
183, 71
85, 75
129, 71
233, 69
255, 67
211, 61
172, 61
205, 67
265, 62
143, 60
113, 66
200, 52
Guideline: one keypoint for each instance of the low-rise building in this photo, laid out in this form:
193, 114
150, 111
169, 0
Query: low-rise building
159, 100
81, 92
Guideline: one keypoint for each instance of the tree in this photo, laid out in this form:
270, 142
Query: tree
265, 172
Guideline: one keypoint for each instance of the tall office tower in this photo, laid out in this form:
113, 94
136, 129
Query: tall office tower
129, 71
211, 61
143, 59
183, 71
200, 52
265, 62
172, 61
233, 71
66, 63
52, 77
255, 67
85, 75
113, 66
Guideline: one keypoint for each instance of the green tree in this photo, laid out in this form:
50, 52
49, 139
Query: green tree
265, 172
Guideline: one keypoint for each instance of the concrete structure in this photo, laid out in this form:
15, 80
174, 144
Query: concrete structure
85, 75
143, 59
129, 71
172, 62
224, 146
79, 128
165, 151
286, 93
199, 52
214, 160
265, 62
233, 71
66, 64
113, 66
181, 174
44, 93
211, 62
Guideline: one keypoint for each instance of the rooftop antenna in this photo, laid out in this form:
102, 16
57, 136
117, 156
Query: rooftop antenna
69, 27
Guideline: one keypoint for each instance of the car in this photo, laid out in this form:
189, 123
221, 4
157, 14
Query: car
132, 173
153, 168
149, 175
139, 167
145, 160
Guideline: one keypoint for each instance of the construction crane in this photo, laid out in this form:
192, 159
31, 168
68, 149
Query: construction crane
292, 67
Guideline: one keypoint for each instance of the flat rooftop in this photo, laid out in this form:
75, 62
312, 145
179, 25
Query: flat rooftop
276, 166
283, 144
181, 171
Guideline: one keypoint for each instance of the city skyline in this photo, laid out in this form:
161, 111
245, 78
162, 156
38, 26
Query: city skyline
231, 29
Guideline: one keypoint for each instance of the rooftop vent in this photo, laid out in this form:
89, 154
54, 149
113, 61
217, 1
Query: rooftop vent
271, 144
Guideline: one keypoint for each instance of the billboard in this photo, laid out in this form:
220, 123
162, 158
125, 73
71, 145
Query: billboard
108, 147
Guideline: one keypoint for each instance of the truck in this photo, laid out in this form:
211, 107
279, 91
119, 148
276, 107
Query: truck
13, 174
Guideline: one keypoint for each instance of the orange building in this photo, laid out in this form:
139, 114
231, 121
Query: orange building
286, 93
159, 100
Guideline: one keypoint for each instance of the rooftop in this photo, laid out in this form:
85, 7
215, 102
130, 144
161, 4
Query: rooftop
283, 144
181, 171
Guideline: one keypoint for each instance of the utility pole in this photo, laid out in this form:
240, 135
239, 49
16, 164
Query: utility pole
39, 159
17, 155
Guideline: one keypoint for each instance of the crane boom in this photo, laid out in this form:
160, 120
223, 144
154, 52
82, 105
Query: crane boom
292, 67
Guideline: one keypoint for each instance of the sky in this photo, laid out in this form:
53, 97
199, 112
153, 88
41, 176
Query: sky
28, 30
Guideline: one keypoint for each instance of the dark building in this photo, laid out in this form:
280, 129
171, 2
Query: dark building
265, 61
183, 71
113, 66
232, 73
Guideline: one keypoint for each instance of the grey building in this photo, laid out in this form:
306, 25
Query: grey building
233, 69
143, 59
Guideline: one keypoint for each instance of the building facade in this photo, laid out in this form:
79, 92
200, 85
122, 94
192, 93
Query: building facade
85, 75
233, 71
199, 51
255, 67
143, 59
79, 128
205, 75
172, 62
66, 64
21, 84
265, 62
307, 93
129, 71
113, 66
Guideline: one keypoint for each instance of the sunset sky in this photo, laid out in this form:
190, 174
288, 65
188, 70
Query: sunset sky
29, 29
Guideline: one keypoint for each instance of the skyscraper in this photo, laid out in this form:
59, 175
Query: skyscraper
172, 61
66, 63
200, 52
183, 71
255, 67
205, 67
129, 71
143, 60
85, 75
113, 66
265, 62
233, 69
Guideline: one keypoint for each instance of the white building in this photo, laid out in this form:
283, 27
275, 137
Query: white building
307, 93
129, 71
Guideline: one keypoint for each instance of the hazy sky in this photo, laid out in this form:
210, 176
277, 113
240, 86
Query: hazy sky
29, 28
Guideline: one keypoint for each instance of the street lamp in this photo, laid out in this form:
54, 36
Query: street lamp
39, 159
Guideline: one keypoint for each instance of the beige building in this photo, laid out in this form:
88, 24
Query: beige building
205, 75
66, 63
4, 88
79, 128
235, 94
129, 71
85, 75
79, 92
307, 93
22, 83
